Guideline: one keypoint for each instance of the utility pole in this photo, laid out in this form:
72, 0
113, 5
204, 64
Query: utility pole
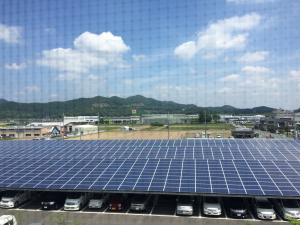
63, 127
168, 126
205, 124
98, 125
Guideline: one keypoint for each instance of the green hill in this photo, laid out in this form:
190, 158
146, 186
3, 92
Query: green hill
111, 106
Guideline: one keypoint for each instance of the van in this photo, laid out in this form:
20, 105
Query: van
97, 201
75, 201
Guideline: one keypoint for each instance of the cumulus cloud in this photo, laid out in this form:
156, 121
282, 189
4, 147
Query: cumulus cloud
105, 42
186, 50
10, 34
230, 33
15, 66
255, 69
91, 51
252, 57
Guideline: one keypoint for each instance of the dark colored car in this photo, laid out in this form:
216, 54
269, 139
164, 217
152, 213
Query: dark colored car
117, 203
237, 208
50, 201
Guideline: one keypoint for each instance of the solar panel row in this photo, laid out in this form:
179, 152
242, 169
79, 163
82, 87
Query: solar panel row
159, 175
76, 149
236, 167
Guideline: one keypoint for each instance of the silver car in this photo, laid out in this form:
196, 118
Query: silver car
288, 208
264, 209
185, 206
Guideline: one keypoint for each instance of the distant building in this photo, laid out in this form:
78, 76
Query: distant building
169, 118
127, 120
80, 119
55, 131
23, 132
45, 124
243, 133
240, 118
84, 129
279, 121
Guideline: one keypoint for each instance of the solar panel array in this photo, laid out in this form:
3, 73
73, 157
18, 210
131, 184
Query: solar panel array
204, 166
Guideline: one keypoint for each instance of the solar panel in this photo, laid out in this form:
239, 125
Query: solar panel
225, 166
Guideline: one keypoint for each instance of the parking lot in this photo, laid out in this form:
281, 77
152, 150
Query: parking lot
160, 206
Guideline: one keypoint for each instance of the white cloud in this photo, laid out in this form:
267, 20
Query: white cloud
249, 1
91, 51
15, 66
10, 34
138, 58
294, 78
252, 57
231, 78
295, 74
70, 60
105, 42
186, 50
230, 33
255, 69
32, 88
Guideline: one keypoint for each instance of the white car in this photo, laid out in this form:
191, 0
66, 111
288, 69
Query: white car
264, 209
97, 201
288, 208
75, 201
12, 199
185, 206
212, 206
8, 220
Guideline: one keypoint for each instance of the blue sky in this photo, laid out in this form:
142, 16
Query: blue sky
207, 52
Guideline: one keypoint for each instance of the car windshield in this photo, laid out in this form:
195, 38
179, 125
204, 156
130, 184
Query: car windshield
236, 203
211, 200
290, 203
9, 194
74, 196
139, 199
184, 200
264, 204
97, 196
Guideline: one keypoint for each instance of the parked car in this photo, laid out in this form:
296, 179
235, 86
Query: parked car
97, 201
12, 199
140, 202
75, 201
185, 206
288, 208
117, 203
212, 206
52, 200
264, 209
237, 207
8, 220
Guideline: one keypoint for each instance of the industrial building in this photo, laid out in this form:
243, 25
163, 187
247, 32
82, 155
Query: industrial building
126, 120
23, 132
